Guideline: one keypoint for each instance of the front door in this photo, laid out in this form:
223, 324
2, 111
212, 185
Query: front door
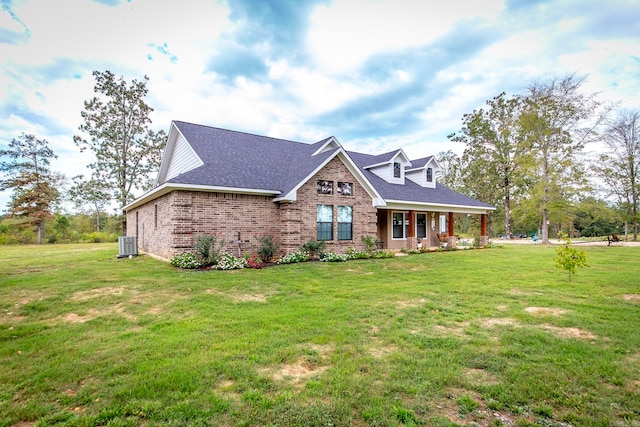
421, 226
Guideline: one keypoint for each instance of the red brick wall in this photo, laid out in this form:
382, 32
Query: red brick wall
364, 214
185, 215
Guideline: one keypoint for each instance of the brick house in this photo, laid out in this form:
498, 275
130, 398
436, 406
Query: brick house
242, 186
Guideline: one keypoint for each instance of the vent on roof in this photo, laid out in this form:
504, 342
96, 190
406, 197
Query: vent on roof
127, 246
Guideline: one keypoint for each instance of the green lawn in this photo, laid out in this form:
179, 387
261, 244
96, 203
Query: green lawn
492, 337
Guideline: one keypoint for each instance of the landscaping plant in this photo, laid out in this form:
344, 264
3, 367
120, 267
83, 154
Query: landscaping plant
569, 258
208, 249
269, 247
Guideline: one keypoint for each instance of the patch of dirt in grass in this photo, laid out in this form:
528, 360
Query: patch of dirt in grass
558, 331
379, 351
226, 388
499, 321
457, 331
121, 310
480, 376
24, 424
520, 292
76, 318
631, 297
296, 373
300, 371
10, 318
154, 310
97, 293
569, 332
417, 302
545, 311
237, 296
322, 349
118, 309
481, 416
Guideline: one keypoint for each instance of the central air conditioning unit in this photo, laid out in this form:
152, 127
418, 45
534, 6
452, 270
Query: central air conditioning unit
127, 246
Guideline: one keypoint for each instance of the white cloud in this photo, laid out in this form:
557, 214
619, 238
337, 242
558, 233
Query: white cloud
344, 35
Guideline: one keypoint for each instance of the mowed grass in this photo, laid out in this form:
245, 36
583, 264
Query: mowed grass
483, 337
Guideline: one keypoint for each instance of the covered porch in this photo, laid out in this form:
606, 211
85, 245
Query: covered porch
412, 227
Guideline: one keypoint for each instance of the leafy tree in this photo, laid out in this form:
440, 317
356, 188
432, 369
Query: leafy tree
558, 122
496, 156
593, 217
29, 175
91, 194
117, 123
451, 165
620, 164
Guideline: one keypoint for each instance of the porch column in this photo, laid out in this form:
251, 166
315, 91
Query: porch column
483, 231
411, 233
452, 241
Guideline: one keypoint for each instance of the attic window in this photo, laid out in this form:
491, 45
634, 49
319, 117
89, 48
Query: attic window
325, 187
396, 169
345, 188
429, 175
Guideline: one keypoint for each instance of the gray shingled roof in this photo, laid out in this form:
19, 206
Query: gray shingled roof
420, 163
412, 192
243, 160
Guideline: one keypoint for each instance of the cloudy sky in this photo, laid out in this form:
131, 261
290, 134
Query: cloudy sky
377, 74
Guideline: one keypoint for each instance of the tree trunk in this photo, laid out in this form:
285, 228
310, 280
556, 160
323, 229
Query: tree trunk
545, 226
40, 231
507, 209
634, 211
626, 230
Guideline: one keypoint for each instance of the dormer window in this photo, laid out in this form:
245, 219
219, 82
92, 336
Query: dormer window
396, 169
429, 174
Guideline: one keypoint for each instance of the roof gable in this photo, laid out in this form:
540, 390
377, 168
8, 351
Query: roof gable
178, 157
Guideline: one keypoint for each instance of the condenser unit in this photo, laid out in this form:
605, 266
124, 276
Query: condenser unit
127, 246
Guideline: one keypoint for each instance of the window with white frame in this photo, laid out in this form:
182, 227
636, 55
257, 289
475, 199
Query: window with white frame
429, 175
400, 225
325, 222
443, 223
396, 170
345, 222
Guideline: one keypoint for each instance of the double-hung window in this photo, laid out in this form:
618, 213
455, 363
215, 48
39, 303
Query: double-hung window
345, 222
429, 175
325, 222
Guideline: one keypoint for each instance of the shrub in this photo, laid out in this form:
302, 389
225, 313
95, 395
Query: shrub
333, 257
294, 257
269, 247
229, 262
370, 243
383, 254
185, 260
208, 249
314, 247
356, 254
